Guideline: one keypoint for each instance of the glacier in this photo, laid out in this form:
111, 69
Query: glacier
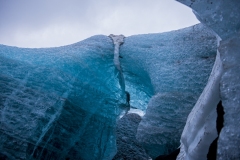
70, 102
66, 102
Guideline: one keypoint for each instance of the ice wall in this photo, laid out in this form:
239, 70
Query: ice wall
166, 74
59, 103
223, 17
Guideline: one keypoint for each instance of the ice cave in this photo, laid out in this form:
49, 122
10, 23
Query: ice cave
172, 95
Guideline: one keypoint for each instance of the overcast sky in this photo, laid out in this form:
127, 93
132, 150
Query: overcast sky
48, 23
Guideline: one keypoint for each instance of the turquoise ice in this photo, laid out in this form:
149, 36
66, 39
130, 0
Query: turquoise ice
59, 103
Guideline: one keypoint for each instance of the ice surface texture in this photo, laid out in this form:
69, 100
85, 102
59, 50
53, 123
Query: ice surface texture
223, 17
169, 69
59, 103
229, 139
127, 145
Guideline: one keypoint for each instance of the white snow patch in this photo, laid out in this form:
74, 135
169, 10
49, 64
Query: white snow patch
200, 129
137, 111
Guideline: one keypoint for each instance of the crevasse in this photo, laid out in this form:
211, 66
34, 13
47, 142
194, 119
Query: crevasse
118, 41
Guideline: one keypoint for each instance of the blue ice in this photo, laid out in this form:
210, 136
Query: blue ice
64, 102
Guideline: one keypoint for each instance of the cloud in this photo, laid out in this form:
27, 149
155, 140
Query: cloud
46, 23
